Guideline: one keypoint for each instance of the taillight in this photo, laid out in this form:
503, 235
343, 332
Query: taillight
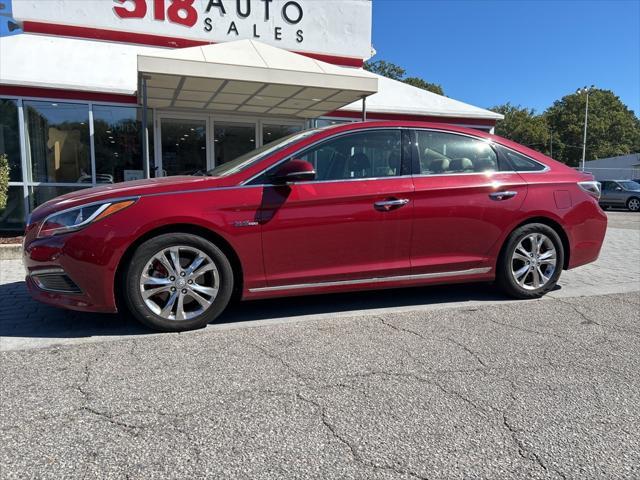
591, 187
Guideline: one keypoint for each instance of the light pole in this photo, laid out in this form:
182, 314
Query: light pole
586, 91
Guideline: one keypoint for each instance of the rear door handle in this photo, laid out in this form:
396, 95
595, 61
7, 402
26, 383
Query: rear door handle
502, 195
391, 204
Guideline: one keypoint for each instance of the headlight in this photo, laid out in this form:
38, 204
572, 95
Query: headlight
77, 218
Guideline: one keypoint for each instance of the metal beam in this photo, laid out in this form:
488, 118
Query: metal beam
364, 108
145, 129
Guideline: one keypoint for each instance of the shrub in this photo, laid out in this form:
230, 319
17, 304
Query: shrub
4, 180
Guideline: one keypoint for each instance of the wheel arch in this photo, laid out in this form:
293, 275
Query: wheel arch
549, 222
198, 230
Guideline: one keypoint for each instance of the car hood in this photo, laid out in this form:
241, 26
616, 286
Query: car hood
133, 188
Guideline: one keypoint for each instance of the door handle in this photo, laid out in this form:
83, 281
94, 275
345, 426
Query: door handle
502, 195
391, 204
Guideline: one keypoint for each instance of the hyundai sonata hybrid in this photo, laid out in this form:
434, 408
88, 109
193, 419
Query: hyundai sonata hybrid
349, 207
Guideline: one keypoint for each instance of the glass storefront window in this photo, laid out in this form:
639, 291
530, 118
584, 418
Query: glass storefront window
13, 216
58, 141
271, 133
10, 137
41, 193
184, 146
118, 143
232, 140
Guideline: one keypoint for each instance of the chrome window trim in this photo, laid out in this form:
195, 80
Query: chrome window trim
338, 135
396, 278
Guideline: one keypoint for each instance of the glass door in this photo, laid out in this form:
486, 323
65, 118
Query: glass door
183, 145
232, 139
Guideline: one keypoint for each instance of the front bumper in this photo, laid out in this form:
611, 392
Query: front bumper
70, 271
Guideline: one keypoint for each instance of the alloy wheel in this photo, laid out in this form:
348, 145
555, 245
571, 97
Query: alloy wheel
534, 261
634, 204
179, 283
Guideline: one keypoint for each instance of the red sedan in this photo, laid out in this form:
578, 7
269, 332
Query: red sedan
351, 207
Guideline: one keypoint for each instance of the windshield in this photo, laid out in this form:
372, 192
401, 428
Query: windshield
630, 185
248, 159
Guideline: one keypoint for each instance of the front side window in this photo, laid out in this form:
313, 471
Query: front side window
630, 185
369, 154
448, 153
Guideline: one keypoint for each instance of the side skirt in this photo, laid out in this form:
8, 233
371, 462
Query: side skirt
374, 281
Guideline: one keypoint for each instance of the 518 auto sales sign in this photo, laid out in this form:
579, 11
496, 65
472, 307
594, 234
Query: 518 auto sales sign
339, 28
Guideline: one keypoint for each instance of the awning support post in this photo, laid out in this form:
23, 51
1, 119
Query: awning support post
145, 130
364, 108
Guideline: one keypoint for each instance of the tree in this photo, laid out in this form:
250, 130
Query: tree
386, 69
523, 126
420, 83
396, 72
4, 180
613, 129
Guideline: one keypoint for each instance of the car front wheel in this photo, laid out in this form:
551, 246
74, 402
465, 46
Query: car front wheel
531, 262
178, 282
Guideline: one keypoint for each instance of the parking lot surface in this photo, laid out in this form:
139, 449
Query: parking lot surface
444, 382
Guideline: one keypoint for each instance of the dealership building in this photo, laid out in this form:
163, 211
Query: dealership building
102, 91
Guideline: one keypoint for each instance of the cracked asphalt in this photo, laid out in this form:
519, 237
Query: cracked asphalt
489, 388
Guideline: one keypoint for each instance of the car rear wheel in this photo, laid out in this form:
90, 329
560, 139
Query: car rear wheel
531, 262
633, 204
178, 282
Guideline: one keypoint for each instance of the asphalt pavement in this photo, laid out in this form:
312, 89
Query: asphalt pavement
445, 382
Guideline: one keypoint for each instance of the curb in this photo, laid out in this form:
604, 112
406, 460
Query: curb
11, 252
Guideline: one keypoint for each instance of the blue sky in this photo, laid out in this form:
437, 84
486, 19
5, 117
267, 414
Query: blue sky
488, 52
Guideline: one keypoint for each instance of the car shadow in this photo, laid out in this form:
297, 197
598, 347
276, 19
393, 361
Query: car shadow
21, 316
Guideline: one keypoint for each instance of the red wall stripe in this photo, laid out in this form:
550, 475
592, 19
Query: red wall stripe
66, 94
153, 40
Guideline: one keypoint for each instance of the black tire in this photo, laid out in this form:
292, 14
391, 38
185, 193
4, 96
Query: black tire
145, 252
504, 276
633, 204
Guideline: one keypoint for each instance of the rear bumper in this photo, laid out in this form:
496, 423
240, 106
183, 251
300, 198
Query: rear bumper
586, 236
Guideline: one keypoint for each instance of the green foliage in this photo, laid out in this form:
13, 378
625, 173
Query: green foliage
386, 69
523, 126
420, 83
612, 130
4, 180
395, 72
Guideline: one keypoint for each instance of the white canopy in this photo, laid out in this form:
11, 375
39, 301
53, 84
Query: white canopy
106, 67
401, 98
252, 77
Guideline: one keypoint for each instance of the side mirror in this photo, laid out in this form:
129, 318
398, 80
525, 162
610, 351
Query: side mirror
618, 189
295, 170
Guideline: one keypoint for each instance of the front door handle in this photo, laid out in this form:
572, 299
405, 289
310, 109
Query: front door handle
390, 204
502, 195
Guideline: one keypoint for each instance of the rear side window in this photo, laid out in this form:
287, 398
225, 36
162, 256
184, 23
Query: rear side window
449, 153
519, 162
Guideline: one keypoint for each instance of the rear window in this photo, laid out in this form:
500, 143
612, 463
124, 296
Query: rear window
521, 163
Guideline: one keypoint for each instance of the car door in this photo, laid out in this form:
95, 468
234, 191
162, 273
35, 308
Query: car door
352, 222
618, 196
462, 202
606, 195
